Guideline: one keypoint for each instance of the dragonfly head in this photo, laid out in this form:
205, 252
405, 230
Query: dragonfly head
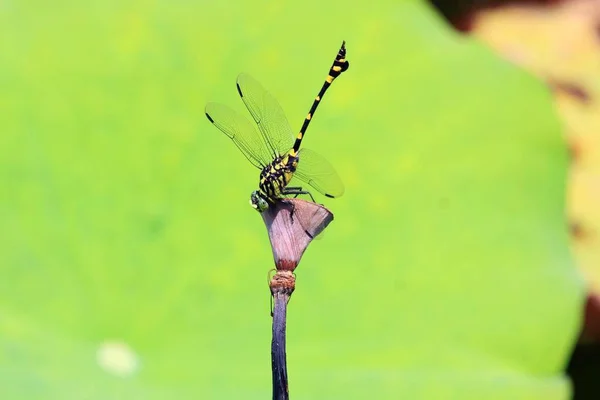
258, 202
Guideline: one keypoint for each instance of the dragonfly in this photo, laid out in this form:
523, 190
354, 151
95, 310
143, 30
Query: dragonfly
274, 149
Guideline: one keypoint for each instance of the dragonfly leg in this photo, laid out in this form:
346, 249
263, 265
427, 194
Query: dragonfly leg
296, 191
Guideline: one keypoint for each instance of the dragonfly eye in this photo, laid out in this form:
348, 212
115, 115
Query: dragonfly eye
258, 202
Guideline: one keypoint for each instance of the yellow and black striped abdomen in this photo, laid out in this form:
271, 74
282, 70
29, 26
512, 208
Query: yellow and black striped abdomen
340, 64
275, 176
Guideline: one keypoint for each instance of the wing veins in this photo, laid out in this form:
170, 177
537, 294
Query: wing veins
315, 170
241, 131
268, 115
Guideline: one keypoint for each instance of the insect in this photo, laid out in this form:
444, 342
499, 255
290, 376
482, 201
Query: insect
276, 150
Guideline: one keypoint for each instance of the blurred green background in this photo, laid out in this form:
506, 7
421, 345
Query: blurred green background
445, 274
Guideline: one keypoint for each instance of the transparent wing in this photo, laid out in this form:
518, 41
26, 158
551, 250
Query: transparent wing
241, 131
315, 170
267, 113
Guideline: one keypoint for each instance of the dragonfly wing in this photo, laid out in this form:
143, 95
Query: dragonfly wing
267, 113
241, 131
315, 170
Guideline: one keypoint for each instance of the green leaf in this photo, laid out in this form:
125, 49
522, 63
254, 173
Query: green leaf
125, 216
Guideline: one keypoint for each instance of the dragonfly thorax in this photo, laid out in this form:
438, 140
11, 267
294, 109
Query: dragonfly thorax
276, 176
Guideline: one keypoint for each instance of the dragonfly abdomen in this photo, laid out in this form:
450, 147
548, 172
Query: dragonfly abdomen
340, 64
276, 176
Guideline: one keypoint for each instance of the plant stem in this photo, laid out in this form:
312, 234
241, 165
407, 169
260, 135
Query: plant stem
278, 356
